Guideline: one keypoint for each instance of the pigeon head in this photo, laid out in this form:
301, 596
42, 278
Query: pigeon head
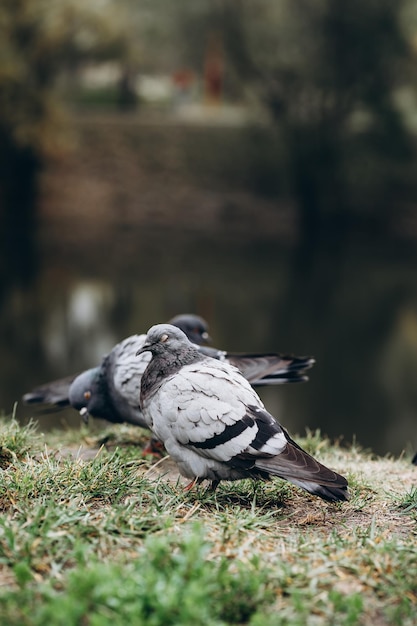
194, 326
171, 350
88, 396
165, 338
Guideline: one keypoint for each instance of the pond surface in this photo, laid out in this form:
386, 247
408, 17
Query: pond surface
137, 225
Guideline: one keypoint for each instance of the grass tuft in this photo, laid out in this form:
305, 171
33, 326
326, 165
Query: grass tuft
16, 441
171, 582
408, 502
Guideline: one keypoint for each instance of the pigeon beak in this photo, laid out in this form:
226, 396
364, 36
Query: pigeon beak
206, 337
145, 348
84, 414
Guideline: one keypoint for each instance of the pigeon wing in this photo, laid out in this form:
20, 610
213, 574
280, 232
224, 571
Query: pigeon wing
270, 369
205, 407
264, 369
124, 372
291, 462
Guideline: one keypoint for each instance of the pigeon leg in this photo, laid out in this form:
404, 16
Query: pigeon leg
154, 447
191, 485
195, 481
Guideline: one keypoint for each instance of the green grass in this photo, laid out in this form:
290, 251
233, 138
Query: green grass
409, 502
92, 533
16, 441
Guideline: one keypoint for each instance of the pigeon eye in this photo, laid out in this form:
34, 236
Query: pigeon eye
87, 395
163, 338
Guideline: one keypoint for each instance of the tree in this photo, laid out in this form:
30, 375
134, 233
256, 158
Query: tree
40, 40
328, 73
325, 70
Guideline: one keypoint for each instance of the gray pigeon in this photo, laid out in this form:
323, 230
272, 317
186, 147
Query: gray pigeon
110, 391
213, 423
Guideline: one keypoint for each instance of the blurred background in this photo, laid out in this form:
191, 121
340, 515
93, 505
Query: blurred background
250, 161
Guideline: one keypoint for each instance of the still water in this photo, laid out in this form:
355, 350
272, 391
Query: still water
133, 232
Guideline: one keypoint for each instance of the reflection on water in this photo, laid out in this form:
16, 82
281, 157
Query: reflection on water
83, 317
352, 304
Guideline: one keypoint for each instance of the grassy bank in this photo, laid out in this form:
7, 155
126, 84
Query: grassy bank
92, 533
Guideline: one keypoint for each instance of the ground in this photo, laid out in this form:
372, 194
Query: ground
90, 524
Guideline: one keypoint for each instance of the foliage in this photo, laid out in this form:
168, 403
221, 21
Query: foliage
318, 61
170, 582
40, 41
329, 74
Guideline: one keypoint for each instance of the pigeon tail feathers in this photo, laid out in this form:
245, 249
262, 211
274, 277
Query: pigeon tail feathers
55, 392
299, 467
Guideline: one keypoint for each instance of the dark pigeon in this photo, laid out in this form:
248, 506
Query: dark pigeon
214, 425
110, 391
194, 326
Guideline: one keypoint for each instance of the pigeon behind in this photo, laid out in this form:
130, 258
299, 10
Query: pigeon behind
110, 391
